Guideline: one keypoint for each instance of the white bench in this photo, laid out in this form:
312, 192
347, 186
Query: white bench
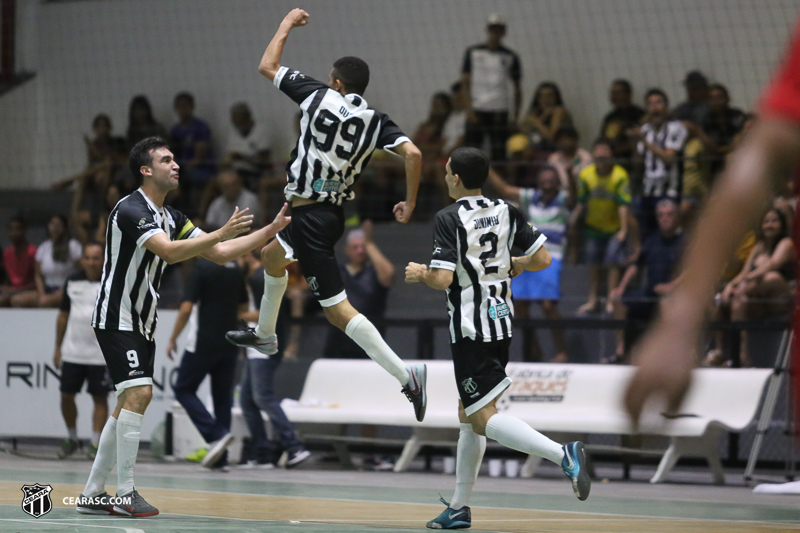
553, 398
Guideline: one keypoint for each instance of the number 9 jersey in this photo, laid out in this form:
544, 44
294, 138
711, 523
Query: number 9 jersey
474, 237
337, 137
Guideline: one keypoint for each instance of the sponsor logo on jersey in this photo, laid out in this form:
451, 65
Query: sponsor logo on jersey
36, 500
499, 311
133, 373
326, 186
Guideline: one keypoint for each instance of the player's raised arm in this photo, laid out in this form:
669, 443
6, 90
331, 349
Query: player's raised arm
413, 162
271, 60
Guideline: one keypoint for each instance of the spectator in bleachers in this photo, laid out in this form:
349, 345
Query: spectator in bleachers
488, 70
524, 161
368, 276
546, 115
84, 224
695, 109
624, 116
248, 145
190, 141
762, 288
696, 177
141, 123
720, 128
430, 141
660, 149
56, 259
233, 194
456, 124
19, 262
547, 209
604, 196
104, 153
658, 262
568, 159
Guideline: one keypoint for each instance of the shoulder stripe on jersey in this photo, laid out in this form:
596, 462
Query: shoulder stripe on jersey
473, 278
465, 204
482, 203
312, 110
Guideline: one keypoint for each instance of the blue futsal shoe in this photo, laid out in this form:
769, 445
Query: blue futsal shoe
574, 466
452, 518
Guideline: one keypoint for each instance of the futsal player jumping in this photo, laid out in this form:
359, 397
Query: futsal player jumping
143, 236
472, 241
338, 134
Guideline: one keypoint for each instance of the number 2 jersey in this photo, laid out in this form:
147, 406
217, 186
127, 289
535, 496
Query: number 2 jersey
338, 135
474, 237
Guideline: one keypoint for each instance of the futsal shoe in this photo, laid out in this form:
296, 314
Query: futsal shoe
452, 518
98, 505
216, 450
296, 457
68, 447
574, 466
138, 508
248, 339
415, 389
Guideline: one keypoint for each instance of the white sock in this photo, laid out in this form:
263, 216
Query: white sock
271, 304
128, 434
73, 433
95, 438
469, 455
367, 336
517, 435
105, 459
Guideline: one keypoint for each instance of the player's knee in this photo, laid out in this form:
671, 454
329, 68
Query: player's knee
479, 427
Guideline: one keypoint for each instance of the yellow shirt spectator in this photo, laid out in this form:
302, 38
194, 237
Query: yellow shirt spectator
602, 196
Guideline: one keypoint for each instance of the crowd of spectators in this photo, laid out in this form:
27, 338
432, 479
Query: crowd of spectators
622, 207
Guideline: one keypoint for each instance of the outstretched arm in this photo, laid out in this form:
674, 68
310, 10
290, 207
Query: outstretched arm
413, 159
271, 60
226, 251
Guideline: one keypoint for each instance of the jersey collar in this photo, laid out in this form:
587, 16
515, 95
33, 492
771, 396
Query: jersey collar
149, 201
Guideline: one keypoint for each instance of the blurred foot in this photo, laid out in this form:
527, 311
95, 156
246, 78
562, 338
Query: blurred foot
68, 447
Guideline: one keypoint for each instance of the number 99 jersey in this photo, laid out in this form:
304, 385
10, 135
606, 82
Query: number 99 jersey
474, 237
337, 137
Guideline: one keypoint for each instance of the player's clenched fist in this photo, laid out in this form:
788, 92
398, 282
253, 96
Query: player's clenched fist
296, 18
414, 272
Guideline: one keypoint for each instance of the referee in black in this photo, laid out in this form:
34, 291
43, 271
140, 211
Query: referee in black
220, 294
142, 237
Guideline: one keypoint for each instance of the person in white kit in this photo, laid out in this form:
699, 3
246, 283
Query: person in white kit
77, 353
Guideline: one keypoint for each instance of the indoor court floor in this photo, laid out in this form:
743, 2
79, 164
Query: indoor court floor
319, 497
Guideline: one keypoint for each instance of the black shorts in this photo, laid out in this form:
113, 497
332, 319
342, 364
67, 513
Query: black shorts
314, 231
74, 374
480, 371
130, 357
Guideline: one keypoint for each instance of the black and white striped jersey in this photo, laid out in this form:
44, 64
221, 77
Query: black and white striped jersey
661, 179
132, 274
474, 237
337, 137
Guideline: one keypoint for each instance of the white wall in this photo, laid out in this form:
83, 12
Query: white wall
94, 56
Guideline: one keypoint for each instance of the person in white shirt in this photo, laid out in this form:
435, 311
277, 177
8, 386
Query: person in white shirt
455, 126
56, 260
233, 194
248, 144
77, 353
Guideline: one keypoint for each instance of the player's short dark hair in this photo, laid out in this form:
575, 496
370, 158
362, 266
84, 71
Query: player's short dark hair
655, 91
141, 156
625, 84
184, 95
568, 132
471, 165
353, 73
